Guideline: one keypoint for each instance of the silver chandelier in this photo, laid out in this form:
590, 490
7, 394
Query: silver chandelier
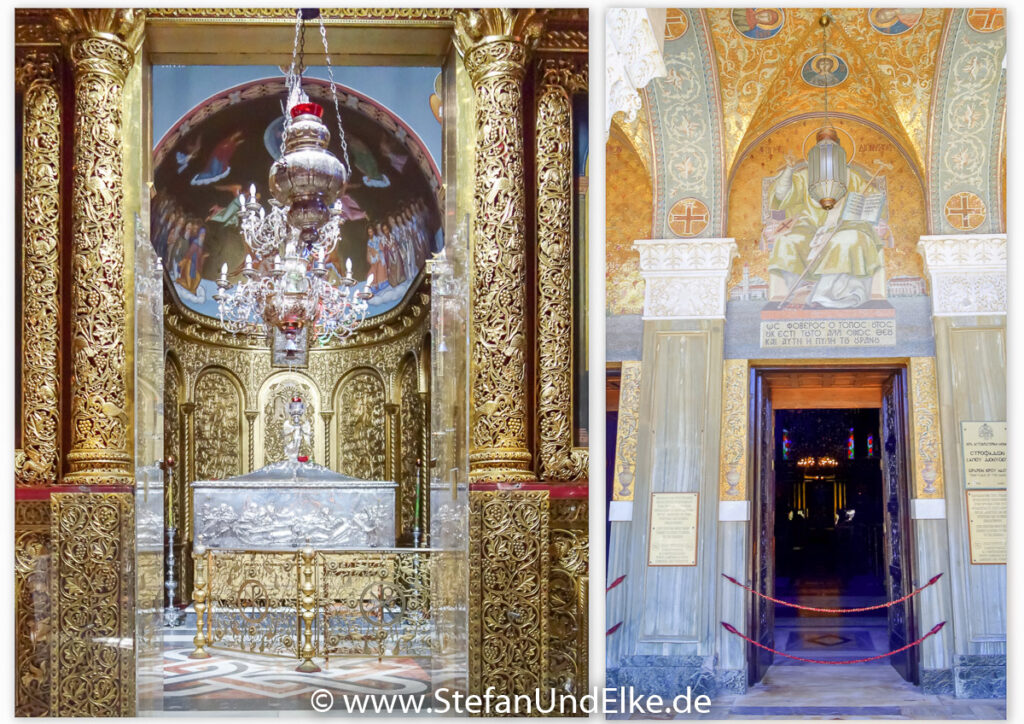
285, 281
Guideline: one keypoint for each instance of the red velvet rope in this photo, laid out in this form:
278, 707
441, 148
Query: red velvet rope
935, 629
834, 610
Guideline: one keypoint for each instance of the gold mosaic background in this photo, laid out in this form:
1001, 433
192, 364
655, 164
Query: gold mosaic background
628, 201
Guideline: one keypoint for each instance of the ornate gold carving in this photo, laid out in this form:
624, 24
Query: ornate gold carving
361, 425
275, 412
508, 589
92, 594
559, 460
101, 52
567, 598
627, 434
732, 483
410, 421
218, 427
495, 43
33, 623
927, 436
37, 462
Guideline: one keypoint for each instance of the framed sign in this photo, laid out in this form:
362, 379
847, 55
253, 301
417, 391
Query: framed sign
986, 526
983, 445
672, 538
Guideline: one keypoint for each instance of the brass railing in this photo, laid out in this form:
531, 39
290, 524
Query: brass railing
315, 604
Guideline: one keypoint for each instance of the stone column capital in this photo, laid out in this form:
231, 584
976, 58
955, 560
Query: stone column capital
967, 273
685, 278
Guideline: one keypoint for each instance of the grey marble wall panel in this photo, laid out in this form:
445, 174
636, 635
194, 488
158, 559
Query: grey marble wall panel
934, 604
971, 371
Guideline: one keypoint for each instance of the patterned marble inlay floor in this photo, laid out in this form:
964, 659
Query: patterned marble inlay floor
241, 683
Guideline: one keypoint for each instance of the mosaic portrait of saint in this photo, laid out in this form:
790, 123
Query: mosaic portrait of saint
758, 23
836, 256
824, 69
893, 21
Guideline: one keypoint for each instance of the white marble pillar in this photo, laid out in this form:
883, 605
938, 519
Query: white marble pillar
968, 277
670, 612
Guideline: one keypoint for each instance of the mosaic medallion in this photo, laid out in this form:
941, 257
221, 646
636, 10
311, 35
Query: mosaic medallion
964, 211
893, 21
676, 23
688, 217
824, 69
758, 23
986, 20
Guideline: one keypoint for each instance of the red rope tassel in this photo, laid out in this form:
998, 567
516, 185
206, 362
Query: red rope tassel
935, 629
834, 610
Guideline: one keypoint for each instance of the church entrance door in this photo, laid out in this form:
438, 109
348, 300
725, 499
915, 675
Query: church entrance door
830, 515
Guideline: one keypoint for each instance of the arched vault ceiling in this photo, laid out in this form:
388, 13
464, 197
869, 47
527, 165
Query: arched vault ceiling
889, 82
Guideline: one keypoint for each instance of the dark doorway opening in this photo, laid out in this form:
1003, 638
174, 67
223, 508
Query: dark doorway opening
830, 516
829, 503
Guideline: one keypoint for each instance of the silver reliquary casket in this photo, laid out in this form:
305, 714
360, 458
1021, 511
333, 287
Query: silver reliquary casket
288, 505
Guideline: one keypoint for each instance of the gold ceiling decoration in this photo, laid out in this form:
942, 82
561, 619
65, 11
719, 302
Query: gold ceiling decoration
889, 76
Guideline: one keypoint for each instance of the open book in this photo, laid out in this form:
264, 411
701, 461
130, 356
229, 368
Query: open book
863, 207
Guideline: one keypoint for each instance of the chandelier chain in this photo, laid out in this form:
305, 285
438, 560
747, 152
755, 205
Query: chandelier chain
334, 95
824, 55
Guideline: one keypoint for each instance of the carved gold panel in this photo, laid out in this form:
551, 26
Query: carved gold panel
361, 422
732, 483
627, 434
508, 588
274, 398
33, 622
558, 80
568, 597
924, 421
92, 599
37, 461
217, 449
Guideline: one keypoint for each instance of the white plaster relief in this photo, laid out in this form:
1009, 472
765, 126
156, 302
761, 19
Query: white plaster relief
967, 273
685, 278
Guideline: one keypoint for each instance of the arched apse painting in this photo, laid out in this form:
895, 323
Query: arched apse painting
229, 140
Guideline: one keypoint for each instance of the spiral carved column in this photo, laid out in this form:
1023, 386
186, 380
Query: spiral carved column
495, 44
100, 47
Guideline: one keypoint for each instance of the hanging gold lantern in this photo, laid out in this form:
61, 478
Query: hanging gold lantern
826, 161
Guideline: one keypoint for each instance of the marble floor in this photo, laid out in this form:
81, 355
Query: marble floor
235, 683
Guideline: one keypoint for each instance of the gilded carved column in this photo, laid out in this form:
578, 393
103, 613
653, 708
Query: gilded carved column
188, 434
251, 417
37, 462
101, 47
558, 80
495, 43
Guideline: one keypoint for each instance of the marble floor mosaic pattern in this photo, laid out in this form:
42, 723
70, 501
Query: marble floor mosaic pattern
241, 683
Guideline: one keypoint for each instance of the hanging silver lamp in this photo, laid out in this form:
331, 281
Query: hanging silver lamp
827, 173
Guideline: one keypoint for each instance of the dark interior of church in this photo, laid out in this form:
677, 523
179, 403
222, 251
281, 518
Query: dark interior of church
828, 509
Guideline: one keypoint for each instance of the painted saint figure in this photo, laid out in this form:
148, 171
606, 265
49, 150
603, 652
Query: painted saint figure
839, 249
218, 165
758, 23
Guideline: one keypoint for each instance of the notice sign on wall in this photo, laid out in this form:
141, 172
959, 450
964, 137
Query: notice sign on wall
673, 533
828, 333
984, 450
986, 525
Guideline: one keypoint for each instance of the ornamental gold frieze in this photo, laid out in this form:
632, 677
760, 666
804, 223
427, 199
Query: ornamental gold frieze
494, 44
440, 17
558, 80
37, 461
32, 612
92, 599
